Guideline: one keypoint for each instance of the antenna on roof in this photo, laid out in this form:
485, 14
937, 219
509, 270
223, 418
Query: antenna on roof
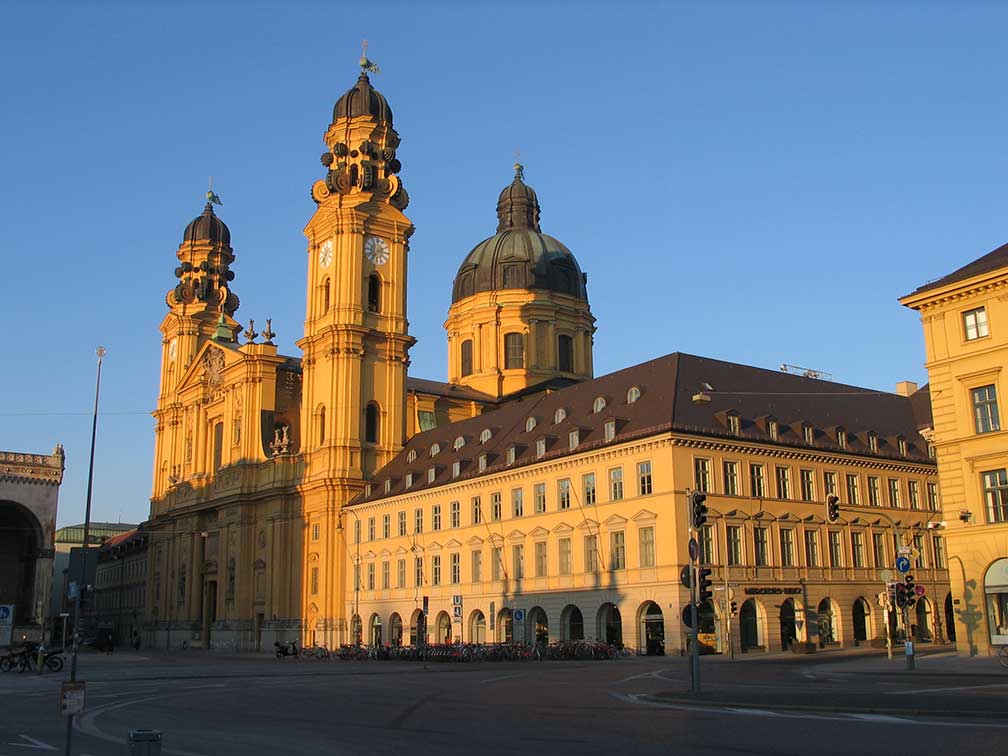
819, 375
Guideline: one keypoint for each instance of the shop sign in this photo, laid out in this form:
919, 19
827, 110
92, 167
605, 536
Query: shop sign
771, 590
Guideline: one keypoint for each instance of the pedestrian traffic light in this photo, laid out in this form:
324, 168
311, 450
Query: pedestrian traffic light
698, 509
832, 507
910, 590
734, 608
703, 584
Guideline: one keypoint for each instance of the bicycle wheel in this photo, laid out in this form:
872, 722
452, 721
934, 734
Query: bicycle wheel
1003, 656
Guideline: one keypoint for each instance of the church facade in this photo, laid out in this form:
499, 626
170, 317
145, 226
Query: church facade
333, 498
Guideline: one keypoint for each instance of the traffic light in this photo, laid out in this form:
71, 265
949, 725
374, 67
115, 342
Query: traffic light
909, 590
698, 509
832, 507
734, 608
703, 584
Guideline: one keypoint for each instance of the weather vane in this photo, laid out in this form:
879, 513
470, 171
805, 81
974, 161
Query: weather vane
367, 66
518, 167
211, 197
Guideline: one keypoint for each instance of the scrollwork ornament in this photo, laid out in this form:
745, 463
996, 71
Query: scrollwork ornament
320, 192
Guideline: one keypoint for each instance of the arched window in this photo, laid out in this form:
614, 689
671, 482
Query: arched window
459, 443
467, 357
598, 405
371, 424
565, 353
435, 449
325, 296
374, 293
530, 424
560, 415
632, 395
485, 436
411, 457
514, 351
321, 425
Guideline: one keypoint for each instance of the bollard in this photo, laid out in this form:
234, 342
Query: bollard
144, 743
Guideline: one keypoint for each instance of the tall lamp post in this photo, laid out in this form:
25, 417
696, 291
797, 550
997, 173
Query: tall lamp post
357, 576
100, 352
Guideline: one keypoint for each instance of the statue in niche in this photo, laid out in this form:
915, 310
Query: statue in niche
281, 440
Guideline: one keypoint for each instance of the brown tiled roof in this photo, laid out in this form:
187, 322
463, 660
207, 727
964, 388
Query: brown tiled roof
437, 388
920, 405
989, 262
666, 385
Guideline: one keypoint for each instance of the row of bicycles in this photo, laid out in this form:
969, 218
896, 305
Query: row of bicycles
29, 656
579, 650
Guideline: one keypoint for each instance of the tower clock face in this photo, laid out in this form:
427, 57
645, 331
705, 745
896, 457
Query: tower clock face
325, 253
376, 250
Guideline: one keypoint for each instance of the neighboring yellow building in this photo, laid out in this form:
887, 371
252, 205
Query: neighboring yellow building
965, 319
521, 484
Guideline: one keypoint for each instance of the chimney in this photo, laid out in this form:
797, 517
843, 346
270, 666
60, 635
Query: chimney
905, 388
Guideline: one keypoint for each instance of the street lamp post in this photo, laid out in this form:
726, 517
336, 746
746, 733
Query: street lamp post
357, 576
100, 352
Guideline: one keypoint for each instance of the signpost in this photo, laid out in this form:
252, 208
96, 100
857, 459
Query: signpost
6, 624
903, 564
71, 700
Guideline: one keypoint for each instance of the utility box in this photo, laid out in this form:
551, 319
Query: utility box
144, 743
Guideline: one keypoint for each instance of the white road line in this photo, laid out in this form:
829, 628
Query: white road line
879, 718
943, 690
36, 745
502, 677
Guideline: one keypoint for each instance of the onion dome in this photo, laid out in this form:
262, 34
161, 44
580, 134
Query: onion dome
207, 227
363, 100
519, 255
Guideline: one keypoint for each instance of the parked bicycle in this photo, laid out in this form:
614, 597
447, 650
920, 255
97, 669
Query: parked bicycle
1002, 655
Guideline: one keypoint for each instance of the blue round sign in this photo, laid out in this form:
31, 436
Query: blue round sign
903, 564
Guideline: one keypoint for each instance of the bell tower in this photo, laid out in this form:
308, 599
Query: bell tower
356, 340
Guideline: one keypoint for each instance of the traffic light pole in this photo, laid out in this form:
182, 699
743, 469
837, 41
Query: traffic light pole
694, 629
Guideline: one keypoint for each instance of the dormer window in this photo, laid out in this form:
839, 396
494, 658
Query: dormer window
560, 415
485, 435
841, 438
610, 430
456, 468
734, 424
510, 455
808, 434
388, 485
541, 448
411, 457
435, 449
632, 395
459, 443
530, 424
431, 473
573, 437
482, 462
872, 442
901, 443
931, 451
367, 489
772, 429
409, 479
598, 405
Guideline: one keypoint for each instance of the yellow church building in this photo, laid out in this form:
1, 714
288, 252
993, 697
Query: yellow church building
332, 497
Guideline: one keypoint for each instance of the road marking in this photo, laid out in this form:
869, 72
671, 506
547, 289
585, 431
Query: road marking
36, 745
878, 718
943, 690
502, 677
656, 674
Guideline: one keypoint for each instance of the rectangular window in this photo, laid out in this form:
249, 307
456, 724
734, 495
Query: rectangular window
874, 491
370, 529
386, 526
456, 569
496, 562
757, 481
918, 542
610, 430
835, 549
807, 479
852, 490
644, 478
938, 544
314, 580
477, 566
701, 474
539, 496
563, 493
386, 575
541, 448
783, 483
510, 455
315, 532
588, 483
995, 485
705, 539
761, 550
401, 573
985, 410
357, 530
730, 471
477, 514
540, 559
514, 351
402, 523
975, 323
564, 550
647, 547
591, 553
418, 576
913, 494
932, 494
573, 439
879, 550
436, 517
456, 514
787, 547
370, 576
857, 549
734, 545
616, 484
495, 506
436, 569
481, 463
811, 548
894, 492
418, 520
456, 468
829, 483
618, 548
517, 505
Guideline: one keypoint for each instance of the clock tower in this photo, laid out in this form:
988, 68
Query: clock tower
356, 340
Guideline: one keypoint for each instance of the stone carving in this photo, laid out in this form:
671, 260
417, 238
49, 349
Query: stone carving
281, 440
213, 367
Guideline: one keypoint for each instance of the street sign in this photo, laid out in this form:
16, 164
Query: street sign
71, 698
684, 576
518, 615
426, 605
493, 614
887, 576
914, 554
903, 564
687, 615
457, 613
904, 549
799, 624
456, 599
6, 624
919, 590
694, 549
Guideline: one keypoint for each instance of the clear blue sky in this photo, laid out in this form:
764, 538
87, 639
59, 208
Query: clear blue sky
756, 182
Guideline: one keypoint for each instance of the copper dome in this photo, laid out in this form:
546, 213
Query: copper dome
363, 100
207, 227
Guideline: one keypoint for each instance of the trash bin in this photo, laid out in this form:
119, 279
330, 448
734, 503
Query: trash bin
144, 743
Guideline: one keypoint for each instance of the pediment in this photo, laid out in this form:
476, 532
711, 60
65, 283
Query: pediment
369, 554
859, 521
496, 539
384, 553
209, 366
763, 515
475, 541
209, 567
736, 514
539, 532
788, 517
615, 521
453, 544
434, 546
816, 519
400, 551
515, 535
313, 557
644, 515
562, 528
588, 524
312, 609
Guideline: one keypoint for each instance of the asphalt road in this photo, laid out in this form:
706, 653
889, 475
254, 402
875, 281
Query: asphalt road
208, 705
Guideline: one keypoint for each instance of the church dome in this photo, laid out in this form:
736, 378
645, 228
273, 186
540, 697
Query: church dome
363, 100
207, 227
519, 255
